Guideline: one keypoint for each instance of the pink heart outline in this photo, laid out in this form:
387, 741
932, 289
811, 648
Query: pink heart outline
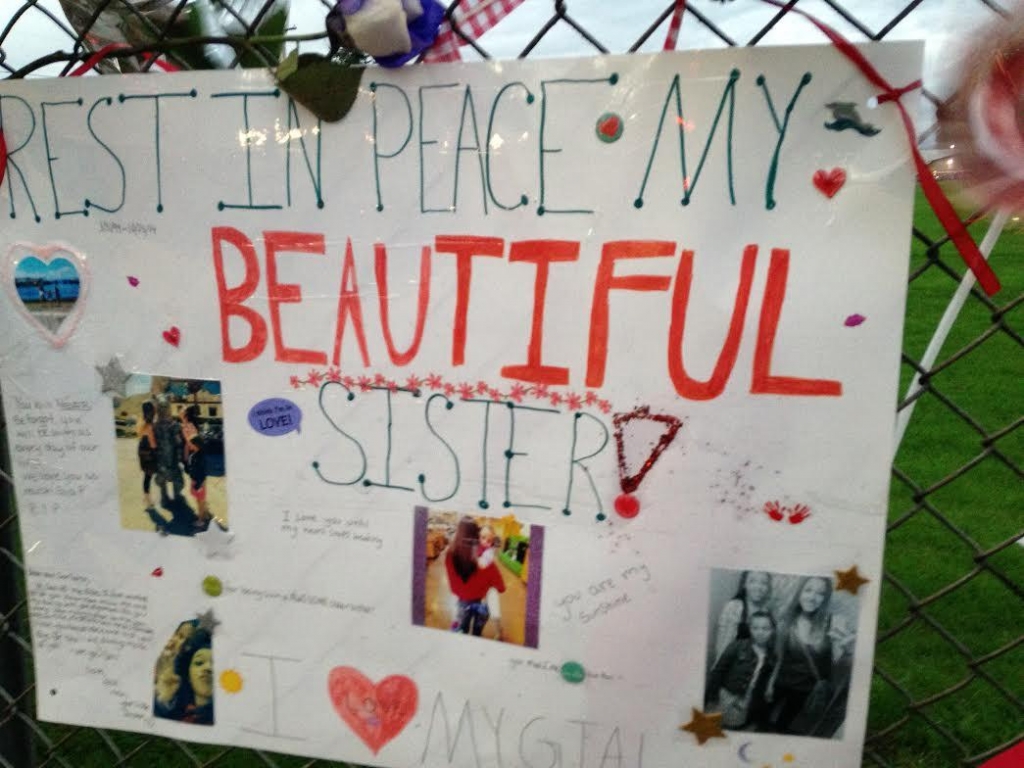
46, 254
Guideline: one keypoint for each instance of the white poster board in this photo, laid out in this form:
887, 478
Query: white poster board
530, 416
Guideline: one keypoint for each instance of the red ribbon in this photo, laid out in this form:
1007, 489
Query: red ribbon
101, 54
932, 191
3, 156
673, 26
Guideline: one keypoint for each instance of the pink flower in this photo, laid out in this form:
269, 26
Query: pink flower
575, 402
434, 381
314, 378
517, 393
334, 375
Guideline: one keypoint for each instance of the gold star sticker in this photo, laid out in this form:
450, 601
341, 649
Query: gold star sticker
850, 580
703, 726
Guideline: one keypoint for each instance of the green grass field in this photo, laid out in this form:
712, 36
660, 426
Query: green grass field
924, 555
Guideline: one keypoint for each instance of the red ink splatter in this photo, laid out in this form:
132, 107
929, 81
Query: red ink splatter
434, 381
829, 182
628, 482
133, 281
158, 572
173, 335
627, 505
854, 320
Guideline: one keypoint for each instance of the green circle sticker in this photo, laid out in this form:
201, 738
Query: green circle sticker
212, 586
609, 127
573, 672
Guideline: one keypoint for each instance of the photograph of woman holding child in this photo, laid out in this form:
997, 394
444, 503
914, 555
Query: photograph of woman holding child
472, 574
780, 653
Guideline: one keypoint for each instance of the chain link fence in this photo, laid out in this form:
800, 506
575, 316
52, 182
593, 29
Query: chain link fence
947, 688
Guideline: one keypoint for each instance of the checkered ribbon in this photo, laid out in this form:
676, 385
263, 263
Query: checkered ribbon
673, 26
473, 18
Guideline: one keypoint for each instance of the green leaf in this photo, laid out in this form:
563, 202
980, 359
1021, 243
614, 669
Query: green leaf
324, 87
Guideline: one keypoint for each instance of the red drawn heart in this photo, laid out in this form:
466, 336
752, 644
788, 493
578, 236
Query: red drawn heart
630, 483
610, 127
376, 712
158, 572
829, 182
173, 335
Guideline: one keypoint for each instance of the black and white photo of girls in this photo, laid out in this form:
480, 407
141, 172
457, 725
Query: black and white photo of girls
780, 651
183, 676
170, 455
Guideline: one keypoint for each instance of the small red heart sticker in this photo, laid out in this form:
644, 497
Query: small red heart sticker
829, 182
158, 572
173, 335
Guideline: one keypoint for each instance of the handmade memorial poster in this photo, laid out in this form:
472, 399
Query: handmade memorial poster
535, 414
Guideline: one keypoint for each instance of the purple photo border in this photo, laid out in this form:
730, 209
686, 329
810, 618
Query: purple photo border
533, 585
419, 567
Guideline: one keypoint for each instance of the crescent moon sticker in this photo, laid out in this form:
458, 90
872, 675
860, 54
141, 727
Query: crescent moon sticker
742, 752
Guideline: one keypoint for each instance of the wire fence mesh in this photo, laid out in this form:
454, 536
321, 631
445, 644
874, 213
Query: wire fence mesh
947, 688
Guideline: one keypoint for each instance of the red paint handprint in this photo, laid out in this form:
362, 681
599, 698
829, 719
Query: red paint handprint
774, 511
799, 513
794, 515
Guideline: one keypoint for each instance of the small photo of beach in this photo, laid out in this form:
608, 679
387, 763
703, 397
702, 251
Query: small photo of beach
478, 576
49, 291
171, 466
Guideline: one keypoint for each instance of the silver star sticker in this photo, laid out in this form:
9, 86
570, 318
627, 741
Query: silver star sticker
216, 540
207, 621
114, 377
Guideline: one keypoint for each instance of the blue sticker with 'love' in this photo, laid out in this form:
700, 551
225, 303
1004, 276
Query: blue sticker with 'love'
275, 416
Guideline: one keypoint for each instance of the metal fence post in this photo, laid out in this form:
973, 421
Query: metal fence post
15, 736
